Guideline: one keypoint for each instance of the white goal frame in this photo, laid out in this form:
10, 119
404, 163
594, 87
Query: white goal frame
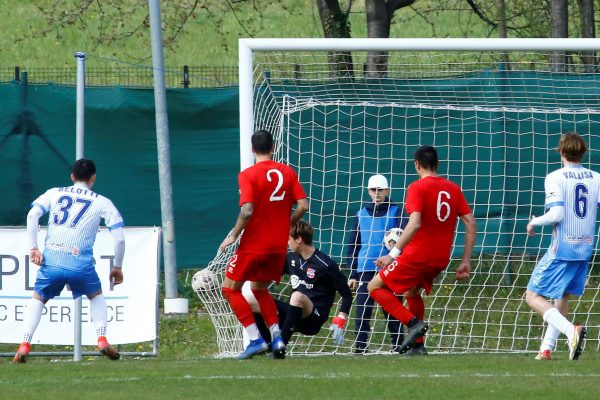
246, 48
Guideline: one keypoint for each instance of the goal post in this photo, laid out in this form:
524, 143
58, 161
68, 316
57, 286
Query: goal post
494, 109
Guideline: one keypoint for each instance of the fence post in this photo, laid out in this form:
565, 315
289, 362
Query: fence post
186, 77
17, 74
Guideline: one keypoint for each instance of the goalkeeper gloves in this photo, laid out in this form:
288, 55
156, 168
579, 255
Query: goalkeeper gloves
337, 328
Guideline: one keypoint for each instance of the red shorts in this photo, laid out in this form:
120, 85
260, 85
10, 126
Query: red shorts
255, 267
399, 277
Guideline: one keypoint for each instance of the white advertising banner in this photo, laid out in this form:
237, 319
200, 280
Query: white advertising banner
132, 306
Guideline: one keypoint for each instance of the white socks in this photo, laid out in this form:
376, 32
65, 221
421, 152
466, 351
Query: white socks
275, 330
32, 318
252, 331
550, 338
98, 312
554, 318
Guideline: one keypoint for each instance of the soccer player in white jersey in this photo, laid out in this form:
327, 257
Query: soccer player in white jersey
75, 213
572, 198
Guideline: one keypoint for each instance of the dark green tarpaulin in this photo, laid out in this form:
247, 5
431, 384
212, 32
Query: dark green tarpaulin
500, 157
120, 137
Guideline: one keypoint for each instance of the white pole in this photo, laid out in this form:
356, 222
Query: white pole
246, 104
79, 140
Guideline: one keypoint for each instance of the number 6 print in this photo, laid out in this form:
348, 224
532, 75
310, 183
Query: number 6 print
443, 206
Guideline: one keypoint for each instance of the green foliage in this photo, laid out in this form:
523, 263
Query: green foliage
46, 33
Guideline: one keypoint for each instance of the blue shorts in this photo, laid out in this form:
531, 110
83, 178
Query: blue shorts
553, 278
50, 281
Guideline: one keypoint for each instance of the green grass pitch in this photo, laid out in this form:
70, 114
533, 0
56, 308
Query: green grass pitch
475, 376
185, 369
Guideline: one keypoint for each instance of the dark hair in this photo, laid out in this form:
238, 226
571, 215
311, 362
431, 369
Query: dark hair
83, 170
572, 146
427, 157
302, 229
262, 142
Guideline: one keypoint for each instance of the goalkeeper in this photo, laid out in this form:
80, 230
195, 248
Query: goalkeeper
315, 278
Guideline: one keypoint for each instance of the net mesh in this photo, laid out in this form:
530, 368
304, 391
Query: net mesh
495, 119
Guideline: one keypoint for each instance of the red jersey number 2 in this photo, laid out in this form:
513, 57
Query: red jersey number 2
276, 195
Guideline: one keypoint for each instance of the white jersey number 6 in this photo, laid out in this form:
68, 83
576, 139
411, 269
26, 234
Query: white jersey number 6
443, 206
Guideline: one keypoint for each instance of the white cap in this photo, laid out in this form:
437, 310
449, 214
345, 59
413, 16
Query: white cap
378, 182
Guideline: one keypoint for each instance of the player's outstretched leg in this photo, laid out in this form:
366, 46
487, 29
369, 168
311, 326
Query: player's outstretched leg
107, 349
416, 329
22, 353
576, 342
257, 346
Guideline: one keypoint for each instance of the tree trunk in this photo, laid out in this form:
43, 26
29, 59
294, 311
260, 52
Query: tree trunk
379, 19
336, 25
588, 30
502, 31
559, 10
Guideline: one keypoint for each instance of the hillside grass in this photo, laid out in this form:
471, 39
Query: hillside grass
210, 38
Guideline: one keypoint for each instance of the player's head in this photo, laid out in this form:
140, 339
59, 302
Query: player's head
572, 147
426, 157
84, 170
262, 142
300, 233
378, 188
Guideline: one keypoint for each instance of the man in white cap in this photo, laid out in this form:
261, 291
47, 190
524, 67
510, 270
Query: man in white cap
365, 245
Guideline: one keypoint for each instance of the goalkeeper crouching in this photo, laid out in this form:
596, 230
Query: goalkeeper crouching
315, 278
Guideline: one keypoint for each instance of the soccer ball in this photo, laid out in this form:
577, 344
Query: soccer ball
391, 238
205, 279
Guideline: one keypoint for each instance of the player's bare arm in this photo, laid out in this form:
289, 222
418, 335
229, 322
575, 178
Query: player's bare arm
301, 209
411, 229
244, 216
464, 269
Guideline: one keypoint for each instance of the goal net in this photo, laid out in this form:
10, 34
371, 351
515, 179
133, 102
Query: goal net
495, 117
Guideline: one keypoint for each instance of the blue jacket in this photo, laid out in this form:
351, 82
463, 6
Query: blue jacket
365, 243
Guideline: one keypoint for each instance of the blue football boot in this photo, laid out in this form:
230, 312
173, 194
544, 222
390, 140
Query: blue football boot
258, 346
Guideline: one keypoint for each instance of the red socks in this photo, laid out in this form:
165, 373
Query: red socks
268, 309
417, 307
239, 305
391, 304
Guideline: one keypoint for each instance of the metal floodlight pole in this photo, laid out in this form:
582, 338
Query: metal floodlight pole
164, 158
79, 140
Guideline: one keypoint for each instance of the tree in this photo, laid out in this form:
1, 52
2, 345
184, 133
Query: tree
588, 30
379, 20
559, 11
336, 25
547, 18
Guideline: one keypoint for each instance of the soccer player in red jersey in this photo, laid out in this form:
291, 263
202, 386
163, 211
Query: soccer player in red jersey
423, 250
268, 192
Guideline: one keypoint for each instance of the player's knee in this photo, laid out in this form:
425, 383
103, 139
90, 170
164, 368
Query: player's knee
374, 285
297, 299
531, 297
